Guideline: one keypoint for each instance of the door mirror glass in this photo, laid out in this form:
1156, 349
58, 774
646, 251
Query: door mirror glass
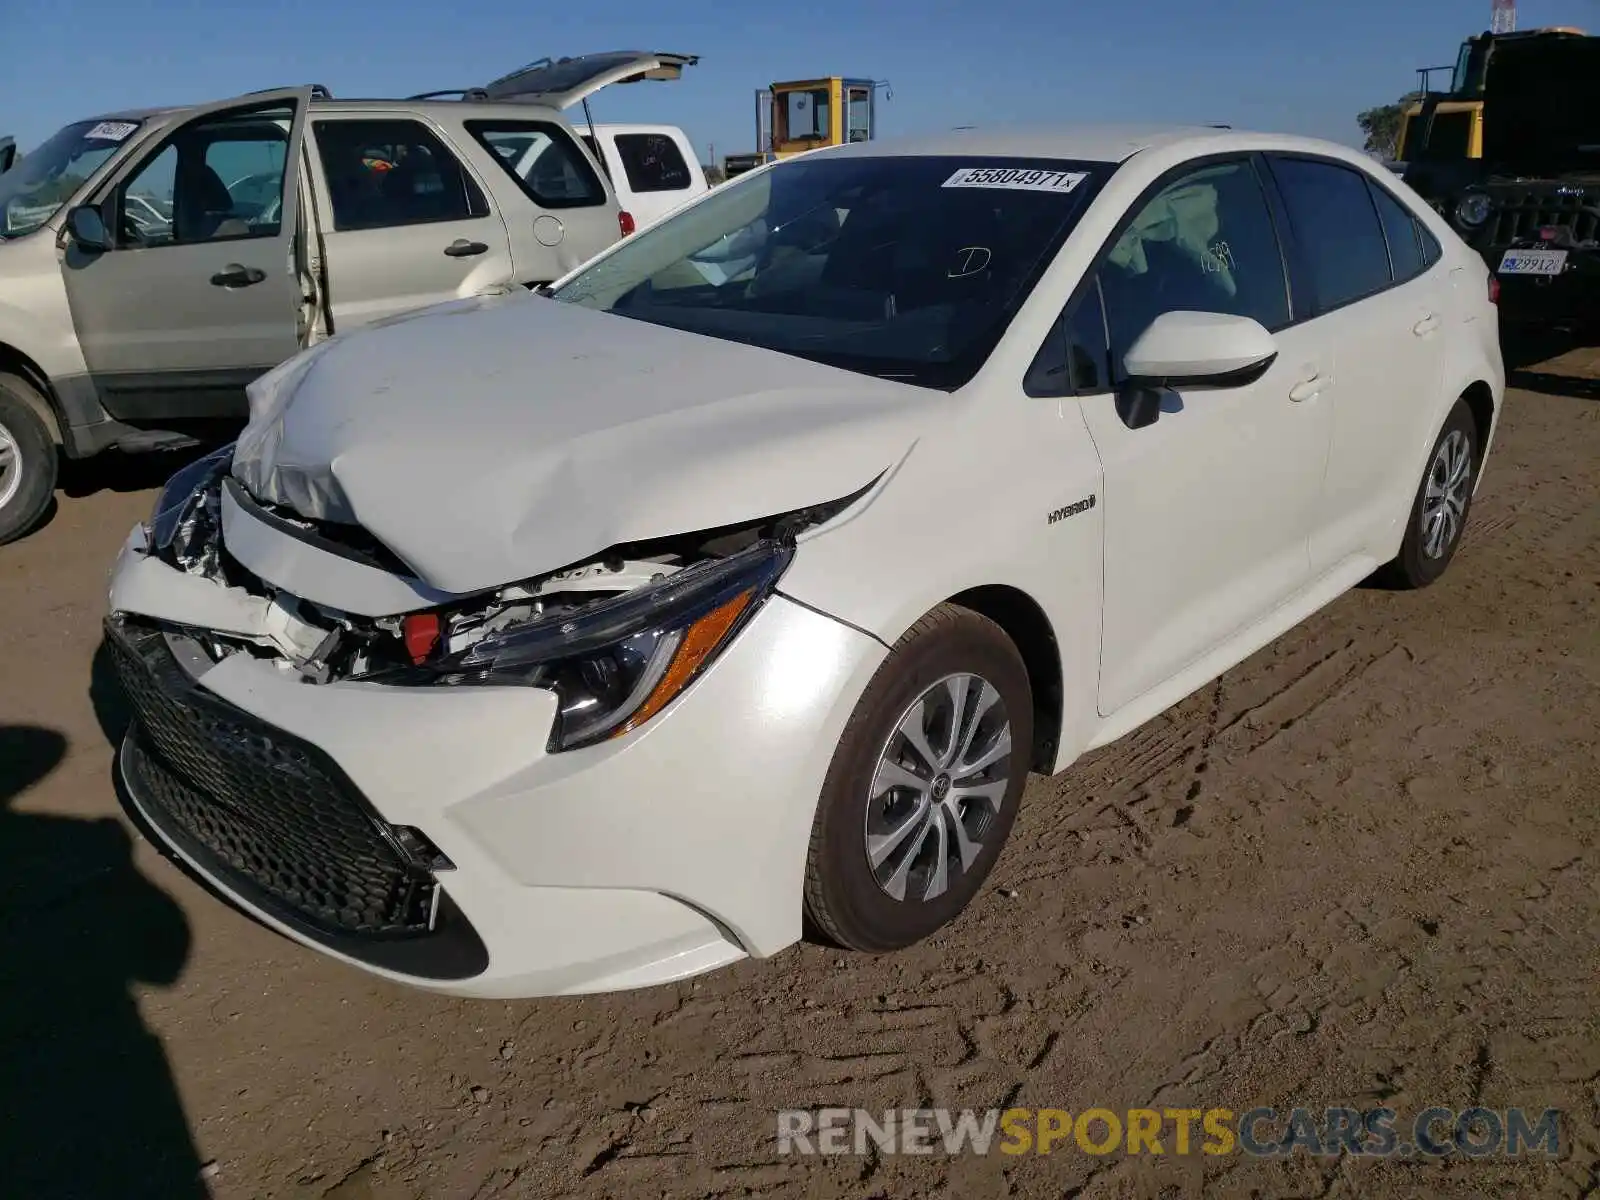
88, 229
1200, 349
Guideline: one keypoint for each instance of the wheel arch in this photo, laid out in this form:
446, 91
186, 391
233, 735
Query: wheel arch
1480, 402
43, 402
1022, 619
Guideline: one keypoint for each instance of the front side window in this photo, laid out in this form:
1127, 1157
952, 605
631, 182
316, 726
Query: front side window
34, 190
653, 162
391, 172
1203, 243
1337, 227
544, 160
908, 268
216, 179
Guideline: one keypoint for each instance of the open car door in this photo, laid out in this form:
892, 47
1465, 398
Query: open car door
198, 292
8, 153
563, 82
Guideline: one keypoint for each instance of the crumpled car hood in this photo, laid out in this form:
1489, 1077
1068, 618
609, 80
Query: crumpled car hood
489, 440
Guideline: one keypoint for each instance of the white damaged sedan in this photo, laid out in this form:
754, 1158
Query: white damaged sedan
596, 638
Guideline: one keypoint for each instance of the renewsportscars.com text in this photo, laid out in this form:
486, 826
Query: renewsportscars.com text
1260, 1132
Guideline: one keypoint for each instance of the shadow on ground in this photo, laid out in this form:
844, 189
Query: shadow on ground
90, 1107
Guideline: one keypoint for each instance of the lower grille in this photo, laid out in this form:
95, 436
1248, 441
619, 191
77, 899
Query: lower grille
1520, 217
266, 806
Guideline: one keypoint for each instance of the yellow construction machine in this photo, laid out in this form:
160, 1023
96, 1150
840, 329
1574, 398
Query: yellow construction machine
1448, 126
806, 114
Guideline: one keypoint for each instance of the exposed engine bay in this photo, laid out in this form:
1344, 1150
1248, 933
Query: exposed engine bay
575, 630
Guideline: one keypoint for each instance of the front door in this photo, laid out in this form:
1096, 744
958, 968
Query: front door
1208, 508
200, 292
408, 224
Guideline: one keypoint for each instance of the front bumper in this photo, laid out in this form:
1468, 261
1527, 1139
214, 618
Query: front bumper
666, 853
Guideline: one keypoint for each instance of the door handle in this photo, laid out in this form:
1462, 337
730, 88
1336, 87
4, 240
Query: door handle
461, 248
236, 276
1307, 389
1425, 326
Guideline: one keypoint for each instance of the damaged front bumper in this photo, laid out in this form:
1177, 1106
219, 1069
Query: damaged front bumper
430, 834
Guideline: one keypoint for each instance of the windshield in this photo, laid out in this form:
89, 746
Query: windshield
905, 268
44, 180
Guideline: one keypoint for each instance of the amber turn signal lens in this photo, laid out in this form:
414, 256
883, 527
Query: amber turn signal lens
699, 642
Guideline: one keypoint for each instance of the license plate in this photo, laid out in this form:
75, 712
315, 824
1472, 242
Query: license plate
1533, 262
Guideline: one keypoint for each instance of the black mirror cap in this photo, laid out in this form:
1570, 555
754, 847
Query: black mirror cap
88, 228
1242, 377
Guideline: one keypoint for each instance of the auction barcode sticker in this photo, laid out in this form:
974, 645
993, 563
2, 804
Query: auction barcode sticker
1017, 179
111, 131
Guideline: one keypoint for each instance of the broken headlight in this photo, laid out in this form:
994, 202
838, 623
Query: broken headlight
618, 662
186, 520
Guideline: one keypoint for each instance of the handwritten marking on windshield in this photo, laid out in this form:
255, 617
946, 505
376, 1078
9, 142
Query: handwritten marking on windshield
969, 260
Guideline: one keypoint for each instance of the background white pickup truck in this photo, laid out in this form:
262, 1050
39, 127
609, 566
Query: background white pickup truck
653, 168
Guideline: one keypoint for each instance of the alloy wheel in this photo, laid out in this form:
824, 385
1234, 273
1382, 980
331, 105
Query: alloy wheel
938, 787
1445, 496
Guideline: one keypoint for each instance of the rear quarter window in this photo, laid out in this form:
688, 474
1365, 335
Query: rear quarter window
543, 159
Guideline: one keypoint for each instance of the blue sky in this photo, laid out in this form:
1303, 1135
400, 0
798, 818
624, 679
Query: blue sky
1302, 66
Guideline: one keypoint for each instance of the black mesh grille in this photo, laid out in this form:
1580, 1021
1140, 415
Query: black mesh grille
264, 804
1519, 216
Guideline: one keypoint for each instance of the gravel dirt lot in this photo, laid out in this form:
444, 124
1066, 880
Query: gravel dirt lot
1360, 869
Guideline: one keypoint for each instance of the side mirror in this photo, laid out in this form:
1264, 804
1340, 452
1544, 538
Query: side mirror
88, 229
1200, 349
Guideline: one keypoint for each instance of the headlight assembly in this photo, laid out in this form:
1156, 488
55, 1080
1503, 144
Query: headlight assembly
1473, 209
185, 520
618, 662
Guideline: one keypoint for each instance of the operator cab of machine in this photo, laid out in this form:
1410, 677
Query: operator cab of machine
809, 113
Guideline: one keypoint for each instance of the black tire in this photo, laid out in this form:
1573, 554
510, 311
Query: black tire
1417, 566
844, 901
33, 454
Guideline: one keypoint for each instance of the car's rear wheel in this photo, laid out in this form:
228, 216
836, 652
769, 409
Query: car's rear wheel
27, 460
924, 786
1443, 500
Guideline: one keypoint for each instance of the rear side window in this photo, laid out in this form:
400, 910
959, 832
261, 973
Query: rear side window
387, 173
1401, 231
653, 162
1336, 227
544, 160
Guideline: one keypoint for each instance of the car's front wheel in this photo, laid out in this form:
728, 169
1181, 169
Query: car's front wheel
924, 786
1444, 497
27, 460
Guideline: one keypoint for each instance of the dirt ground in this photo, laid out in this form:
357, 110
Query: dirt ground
1361, 869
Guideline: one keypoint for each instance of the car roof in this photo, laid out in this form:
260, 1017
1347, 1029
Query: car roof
1107, 143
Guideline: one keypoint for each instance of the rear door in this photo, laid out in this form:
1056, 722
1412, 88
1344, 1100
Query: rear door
407, 222
1383, 313
200, 293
